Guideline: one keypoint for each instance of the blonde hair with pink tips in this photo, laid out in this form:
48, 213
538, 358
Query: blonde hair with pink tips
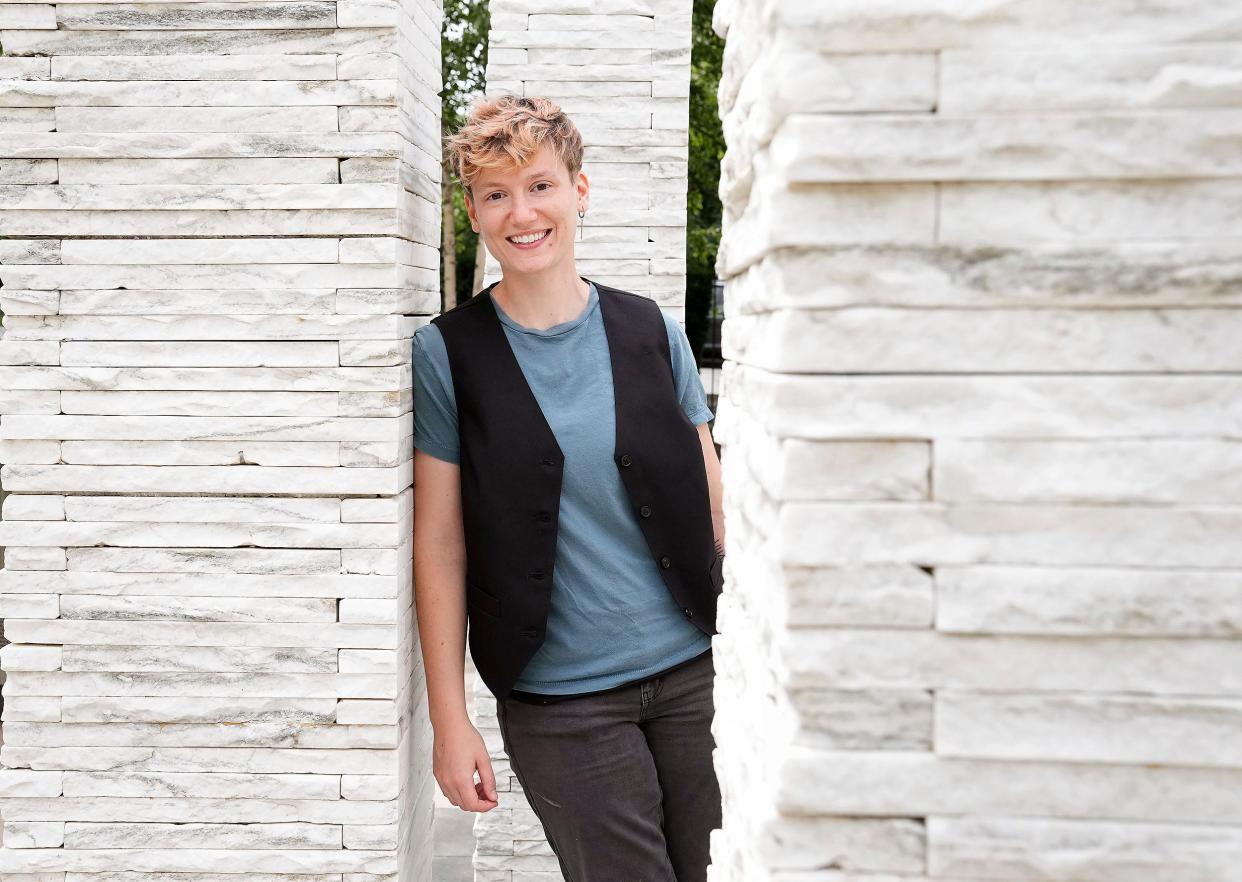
507, 131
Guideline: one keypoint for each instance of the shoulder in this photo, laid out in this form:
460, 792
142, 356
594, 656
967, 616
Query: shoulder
671, 326
635, 311
428, 338
462, 312
627, 298
428, 350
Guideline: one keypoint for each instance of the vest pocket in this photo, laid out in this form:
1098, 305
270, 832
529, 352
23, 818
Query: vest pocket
716, 574
479, 600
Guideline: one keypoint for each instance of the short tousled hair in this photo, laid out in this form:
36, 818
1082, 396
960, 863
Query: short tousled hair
507, 131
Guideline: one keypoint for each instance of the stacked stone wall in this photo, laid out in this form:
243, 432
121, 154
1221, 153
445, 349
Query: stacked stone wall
980, 424
220, 229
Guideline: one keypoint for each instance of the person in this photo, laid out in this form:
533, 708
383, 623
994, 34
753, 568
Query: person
568, 510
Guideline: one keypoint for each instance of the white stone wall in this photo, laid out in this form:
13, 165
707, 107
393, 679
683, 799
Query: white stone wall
621, 70
981, 452
220, 230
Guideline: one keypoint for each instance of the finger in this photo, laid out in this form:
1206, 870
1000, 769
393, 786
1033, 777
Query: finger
487, 779
489, 802
466, 797
475, 802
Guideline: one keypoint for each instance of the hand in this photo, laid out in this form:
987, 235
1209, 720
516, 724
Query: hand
457, 752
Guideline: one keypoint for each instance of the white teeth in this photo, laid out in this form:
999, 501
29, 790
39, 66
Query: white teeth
526, 240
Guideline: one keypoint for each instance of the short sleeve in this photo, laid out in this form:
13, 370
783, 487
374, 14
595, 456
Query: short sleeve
435, 405
686, 374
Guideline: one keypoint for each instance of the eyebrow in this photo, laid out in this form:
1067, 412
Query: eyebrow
538, 173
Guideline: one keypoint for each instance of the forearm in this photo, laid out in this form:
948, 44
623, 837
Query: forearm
440, 586
715, 487
441, 611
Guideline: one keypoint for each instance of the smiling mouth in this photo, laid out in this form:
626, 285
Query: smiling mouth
527, 240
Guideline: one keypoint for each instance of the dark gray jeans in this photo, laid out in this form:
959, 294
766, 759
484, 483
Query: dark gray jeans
623, 781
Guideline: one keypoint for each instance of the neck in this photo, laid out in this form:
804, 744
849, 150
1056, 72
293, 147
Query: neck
542, 300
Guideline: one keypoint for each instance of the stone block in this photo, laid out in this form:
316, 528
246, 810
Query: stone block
374, 837
889, 719
31, 708
34, 834
29, 352
1054, 849
323, 635
34, 508
1087, 212
793, 468
18, 783
379, 787
1105, 78
29, 606
22, 657
354, 711
30, 302
1015, 407
1086, 601
1102, 471
1175, 731
828, 148
850, 844
33, 557
212, 785
46, 452
908, 340
859, 26
826, 216
888, 783
151, 835
367, 661
905, 659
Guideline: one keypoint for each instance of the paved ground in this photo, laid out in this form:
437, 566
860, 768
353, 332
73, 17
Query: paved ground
454, 843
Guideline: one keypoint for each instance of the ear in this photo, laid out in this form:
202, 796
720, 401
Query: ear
584, 191
474, 219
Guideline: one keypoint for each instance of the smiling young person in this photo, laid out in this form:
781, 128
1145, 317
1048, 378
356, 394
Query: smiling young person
568, 508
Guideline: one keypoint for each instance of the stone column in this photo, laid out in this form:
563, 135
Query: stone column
220, 233
982, 471
622, 70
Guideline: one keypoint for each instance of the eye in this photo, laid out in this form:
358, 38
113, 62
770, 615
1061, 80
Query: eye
492, 197
543, 185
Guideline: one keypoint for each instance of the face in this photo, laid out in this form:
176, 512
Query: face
528, 216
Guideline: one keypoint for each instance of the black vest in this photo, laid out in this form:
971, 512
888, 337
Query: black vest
511, 477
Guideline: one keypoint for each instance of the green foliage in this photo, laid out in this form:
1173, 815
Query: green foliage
463, 65
706, 150
463, 59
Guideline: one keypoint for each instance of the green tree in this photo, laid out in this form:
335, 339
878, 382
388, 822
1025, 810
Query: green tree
706, 150
463, 66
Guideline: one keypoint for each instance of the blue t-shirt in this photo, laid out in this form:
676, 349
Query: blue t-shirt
611, 619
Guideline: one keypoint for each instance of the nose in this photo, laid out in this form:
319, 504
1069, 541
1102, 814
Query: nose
522, 209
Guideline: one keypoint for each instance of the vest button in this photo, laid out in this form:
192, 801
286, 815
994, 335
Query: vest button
537, 575
645, 511
530, 632
626, 460
548, 462
665, 563
542, 517
689, 612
